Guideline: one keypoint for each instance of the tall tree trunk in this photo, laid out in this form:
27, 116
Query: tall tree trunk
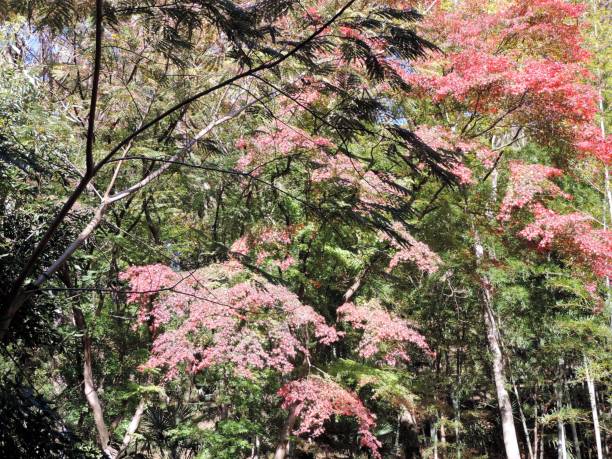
89, 387
494, 337
283, 440
593, 399
409, 436
457, 422
561, 442
523, 421
575, 440
574, 429
535, 425
132, 427
499, 376
443, 436
434, 439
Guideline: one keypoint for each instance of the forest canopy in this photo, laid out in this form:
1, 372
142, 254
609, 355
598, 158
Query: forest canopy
298, 229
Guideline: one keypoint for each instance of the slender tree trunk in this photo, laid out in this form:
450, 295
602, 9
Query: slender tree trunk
91, 394
409, 435
575, 440
255, 448
456, 408
561, 443
132, 427
494, 339
542, 445
574, 429
499, 377
434, 439
593, 399
283, 440
443, 437
523, 421
535, 428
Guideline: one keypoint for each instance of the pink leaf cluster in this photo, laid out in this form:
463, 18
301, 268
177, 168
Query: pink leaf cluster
147, 281
373, 188
278, 141
440, 138
487, 69
590, 141
268, 244
251, 325
316, 400
409, 249
573, 235
384, 333
526, 182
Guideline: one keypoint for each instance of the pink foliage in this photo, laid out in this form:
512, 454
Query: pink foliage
146, 281
278, 141
373, 188
525, 183
240, 246
591, 142
384, 333
252, 325
487, 69
412, 250
268, 244
439, 137
573, 235
316, 400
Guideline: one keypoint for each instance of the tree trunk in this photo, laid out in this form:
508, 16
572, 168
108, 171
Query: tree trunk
434, 439
499, 377
409, 436
561, 443
255, 448
443, 437
132, 427
457, 423
574, 429
575, 440
535, 428
283, 440
523, 421
495, 348
592, 397
89, 386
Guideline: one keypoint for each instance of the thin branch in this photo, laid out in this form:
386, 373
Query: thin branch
264, 66
10, 302
94, 92
101, 210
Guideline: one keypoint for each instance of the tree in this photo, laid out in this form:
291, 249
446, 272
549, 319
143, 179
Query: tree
306, 228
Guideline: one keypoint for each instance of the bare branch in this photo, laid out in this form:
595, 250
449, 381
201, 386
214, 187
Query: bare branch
11, 302
94, 92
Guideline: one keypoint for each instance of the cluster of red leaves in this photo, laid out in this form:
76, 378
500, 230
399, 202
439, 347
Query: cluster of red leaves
269, 244
315, 400
279, 140
373, 188
251, 325
525, 183
409, 249
384, 334
591, 142
523, 62
441, 138
572, 234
